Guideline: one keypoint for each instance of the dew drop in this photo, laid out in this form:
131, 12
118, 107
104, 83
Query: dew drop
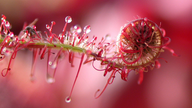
53, 22
145, 19
11, 34
68, 19
68, 99
132, 24
3, 17
50, 63
34, 27
77, 28
108, 37
6, 51
47, 26
53, 64
87, 29
7, 24
50, 79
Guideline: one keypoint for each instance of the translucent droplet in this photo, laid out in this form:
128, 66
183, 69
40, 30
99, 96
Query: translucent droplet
77, 28
47, 26
3, 17
11, 34
68, 99
61, 36
8, 25
34, 27
53, 22
68, 19
87, 29
50, 63
50, 79
6, 51
132, 24
145, 19
53, 64
108, 37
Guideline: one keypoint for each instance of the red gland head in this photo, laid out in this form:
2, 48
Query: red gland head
139, 43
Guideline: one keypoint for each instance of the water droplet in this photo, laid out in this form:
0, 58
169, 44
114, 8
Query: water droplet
77, 28
34, 27
53, 22
11, 34
47, 26
68, 19
3, 17
87, 29
108, 37
68, 99
50, 63
6, 51
145, 19
61, 36
53, 64
132, 24
8, 25
50, 79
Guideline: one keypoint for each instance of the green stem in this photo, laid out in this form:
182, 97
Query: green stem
55, 45
65, 47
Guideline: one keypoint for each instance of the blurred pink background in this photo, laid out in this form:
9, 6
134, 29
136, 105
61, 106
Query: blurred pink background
167, 87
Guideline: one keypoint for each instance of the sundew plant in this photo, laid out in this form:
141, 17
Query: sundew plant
136, 49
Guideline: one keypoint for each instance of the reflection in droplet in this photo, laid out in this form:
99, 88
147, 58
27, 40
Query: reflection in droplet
47, 26
68, 99
87, 29
6, 51
11, 34
50, 79
108, 37
53, 22
68, 19
50, 63
77, 28
7, 25
53, 64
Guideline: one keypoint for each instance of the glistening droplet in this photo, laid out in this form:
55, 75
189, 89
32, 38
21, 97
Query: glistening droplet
11, 34
77, 28
68, 19
53, 22
87, 29
68, 99
8, 25
47, 26
6, 51
53, 64
50, 63
50, 79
